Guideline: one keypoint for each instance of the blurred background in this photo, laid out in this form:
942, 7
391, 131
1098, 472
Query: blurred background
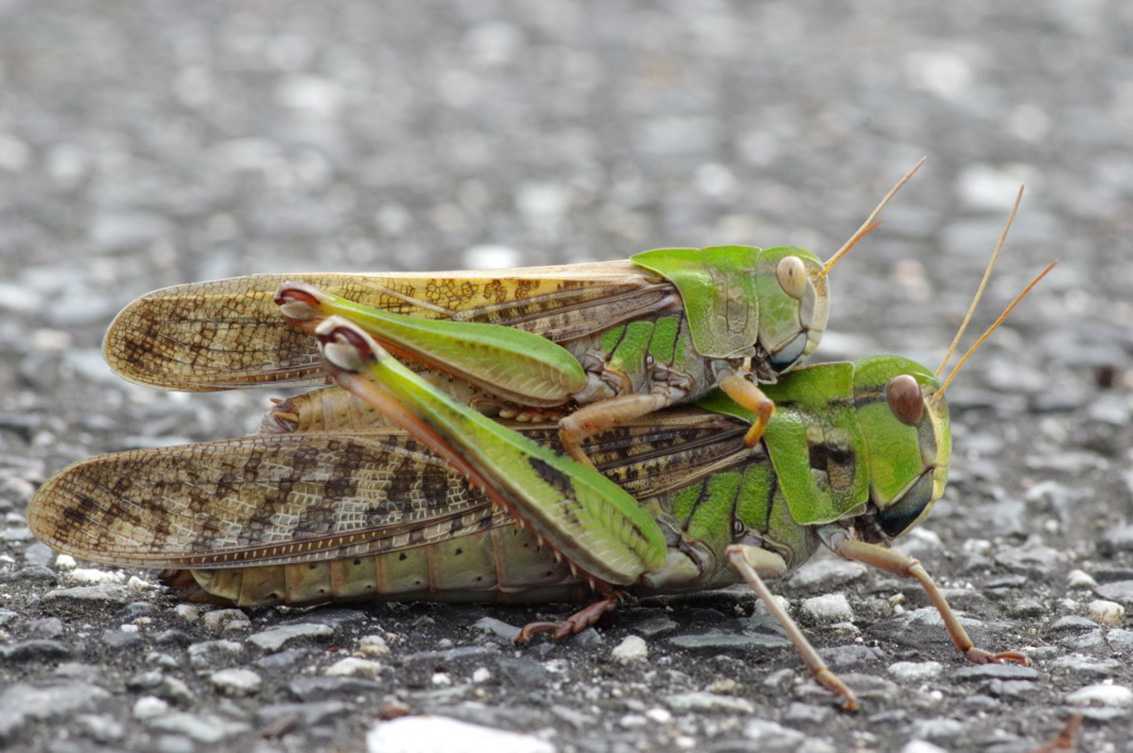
144, 144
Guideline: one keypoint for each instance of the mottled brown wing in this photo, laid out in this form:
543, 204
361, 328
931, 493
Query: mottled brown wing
286, 498
229, 333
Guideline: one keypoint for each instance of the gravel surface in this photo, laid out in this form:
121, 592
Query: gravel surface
145, 144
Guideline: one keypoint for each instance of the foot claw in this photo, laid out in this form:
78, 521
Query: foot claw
979, 656
834, 684
532, 629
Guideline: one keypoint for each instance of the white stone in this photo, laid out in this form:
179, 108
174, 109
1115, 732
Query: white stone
833, 607
138, 585
700, 701
352, 666
915, 671
632, 649
441, 679
275, 638
187, 612
659, 715
65, 562
827, 573
481, 674
1106, 612
236, 681
373, 645
438, 734
920, 746
89, 576
219, 620
1080, 579
773, 734
1103, 694
148, 706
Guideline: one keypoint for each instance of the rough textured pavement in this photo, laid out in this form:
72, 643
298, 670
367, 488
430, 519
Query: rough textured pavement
145, 144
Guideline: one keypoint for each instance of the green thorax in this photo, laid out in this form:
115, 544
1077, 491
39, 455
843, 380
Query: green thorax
730, 295
817, 446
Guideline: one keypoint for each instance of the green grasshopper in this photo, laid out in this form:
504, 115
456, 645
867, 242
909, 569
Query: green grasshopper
604, 343
856, 455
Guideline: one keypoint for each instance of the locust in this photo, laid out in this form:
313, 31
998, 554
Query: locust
447, 503
594, 345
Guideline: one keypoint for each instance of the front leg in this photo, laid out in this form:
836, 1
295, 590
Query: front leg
747, 561
899, 563
748, 395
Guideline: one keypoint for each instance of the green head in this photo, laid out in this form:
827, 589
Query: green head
908, 439
794, 305
740, 301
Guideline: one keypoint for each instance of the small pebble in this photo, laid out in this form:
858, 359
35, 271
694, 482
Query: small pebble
632, 649
373, 645
352, 666
1102, 694
833, 607
65, 562
1106, 612
224, 620
1080, 579
915, 671
148, 706
236, 681
481, 675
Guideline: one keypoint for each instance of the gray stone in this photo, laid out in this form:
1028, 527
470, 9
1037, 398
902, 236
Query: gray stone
1012, 688
121, 640
303, 714
1087, 665
851, 655
716, 640
283, 659
522, 672
827, 608
1072, 623
111, 593
1120, 591
827, 574
497, 628
1101, 695
651, 627
21, 703
208, 654
915, 671
104, 729
995, 671
273, 639
46, 627
222, 620
805, 713
236, 682
700, 702
318, 688
204, 728
34, 650
939, 729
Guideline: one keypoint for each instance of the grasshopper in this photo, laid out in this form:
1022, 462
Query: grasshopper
457, 506
598, 344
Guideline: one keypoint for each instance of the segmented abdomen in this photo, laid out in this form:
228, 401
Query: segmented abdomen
499, 565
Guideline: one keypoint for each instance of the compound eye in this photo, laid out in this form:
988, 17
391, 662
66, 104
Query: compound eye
904, 396
792, 276
789, 353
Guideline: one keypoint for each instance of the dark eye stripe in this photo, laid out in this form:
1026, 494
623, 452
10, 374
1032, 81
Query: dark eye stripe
903, 513
789, 353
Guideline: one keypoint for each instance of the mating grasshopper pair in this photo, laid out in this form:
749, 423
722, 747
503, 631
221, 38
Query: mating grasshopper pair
450, 504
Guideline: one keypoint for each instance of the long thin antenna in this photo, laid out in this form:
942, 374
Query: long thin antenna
987, 332
983, 284
870, 223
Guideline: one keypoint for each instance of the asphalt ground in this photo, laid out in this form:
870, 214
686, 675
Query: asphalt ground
147, 144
